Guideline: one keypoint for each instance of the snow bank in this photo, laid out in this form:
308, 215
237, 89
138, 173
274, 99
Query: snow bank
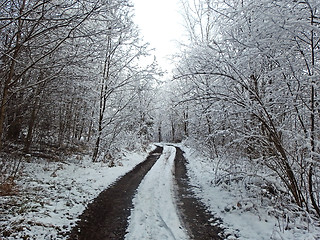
53, 195
243, 217
155, 213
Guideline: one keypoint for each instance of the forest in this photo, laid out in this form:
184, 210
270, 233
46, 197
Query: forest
76, 77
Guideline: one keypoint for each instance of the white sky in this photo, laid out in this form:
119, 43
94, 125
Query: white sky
161, 25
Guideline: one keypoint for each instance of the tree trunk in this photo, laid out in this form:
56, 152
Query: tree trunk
96, 148
103, 97
30, 128
312, 122
173, 131
159, 133
185, 122
90, 127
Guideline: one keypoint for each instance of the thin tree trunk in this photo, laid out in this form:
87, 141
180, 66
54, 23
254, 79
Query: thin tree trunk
185, 123
103, 98
97, 144
312, 127
173, 131
90, 127
30, 128
159, 133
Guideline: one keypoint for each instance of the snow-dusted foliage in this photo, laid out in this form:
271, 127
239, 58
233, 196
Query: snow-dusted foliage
70, 74
251, 203
250, 86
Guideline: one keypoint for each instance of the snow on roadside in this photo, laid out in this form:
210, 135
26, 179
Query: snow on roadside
247, 221
53, 195
155, 214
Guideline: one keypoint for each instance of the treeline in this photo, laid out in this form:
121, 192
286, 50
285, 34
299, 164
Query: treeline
69, 74
250, 88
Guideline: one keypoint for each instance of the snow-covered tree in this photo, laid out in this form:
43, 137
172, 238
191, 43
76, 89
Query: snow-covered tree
69, 72
250, 72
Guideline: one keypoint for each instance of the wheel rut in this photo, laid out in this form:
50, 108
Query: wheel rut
199, 223
106, 217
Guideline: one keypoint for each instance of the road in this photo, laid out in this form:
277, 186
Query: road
153, 201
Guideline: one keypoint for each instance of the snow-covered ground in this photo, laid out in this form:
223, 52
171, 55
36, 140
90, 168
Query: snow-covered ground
51, 195
155, 213
243, 216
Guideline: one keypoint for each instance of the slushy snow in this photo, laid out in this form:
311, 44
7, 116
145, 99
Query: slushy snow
155, 213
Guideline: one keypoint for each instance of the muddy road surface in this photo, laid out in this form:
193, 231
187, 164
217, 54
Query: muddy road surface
200, 224
106, 218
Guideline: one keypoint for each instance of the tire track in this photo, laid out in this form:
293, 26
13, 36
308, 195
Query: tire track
106, 218
200, 224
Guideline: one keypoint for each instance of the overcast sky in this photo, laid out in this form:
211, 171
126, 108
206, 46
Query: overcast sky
161, 26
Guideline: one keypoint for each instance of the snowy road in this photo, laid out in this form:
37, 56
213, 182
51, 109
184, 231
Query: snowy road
153, 201
154, 215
